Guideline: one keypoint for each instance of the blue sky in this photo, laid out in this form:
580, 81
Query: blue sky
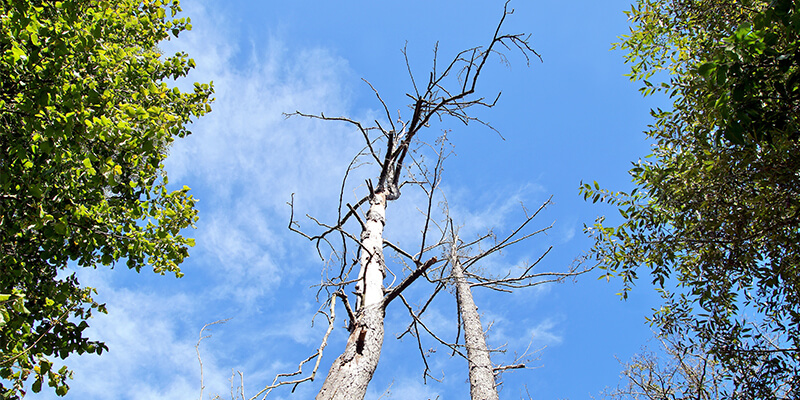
572, 117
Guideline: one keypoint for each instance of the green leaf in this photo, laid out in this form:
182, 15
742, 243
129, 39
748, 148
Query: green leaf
743, 31
707, 69
17, 53
721, 75
36, 191
19, 306
44, 366
60, 228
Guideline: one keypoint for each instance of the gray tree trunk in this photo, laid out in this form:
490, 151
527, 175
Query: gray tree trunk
481, 373
353, 369
351, 372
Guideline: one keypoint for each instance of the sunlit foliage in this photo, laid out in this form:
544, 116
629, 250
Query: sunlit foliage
86, 118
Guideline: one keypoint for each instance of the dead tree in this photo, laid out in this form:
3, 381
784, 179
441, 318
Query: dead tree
459, 272
482, 384
676, 370
394, 148
388, 147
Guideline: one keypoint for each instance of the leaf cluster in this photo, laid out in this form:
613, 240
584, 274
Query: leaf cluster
751, 84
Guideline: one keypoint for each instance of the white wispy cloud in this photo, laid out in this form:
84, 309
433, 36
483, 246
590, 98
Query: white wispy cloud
150, 353
478, 212
547, 332
245, 159
516, 333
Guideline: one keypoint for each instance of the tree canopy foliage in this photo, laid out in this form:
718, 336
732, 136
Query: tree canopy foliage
86, 116
715, 214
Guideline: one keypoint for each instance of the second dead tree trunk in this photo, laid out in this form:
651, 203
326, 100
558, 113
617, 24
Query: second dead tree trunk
462, 259
481, 373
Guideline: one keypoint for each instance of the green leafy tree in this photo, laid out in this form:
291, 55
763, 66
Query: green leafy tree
715, 215
86, 118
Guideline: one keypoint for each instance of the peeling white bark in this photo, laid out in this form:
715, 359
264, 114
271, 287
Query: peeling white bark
352, 371
370, 277
481, 373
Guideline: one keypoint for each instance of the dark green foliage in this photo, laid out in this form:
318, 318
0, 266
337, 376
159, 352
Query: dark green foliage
751, 84
715, 216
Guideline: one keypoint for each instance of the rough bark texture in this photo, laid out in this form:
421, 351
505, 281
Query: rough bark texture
351, 372
481, 373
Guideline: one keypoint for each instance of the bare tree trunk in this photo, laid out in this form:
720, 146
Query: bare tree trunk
481, 373
352, 371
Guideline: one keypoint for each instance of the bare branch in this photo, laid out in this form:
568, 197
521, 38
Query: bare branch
418, 321
339, 227
350, 316
406, 282
398, 249
507, 367
277, 382
355, 214
507, 241
383, 103
364, 131
439, 287
197, 349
